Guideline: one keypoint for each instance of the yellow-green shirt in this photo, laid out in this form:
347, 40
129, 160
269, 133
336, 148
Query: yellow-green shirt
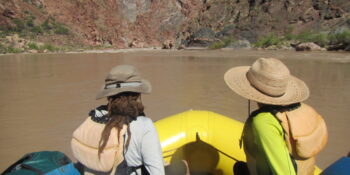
264, 144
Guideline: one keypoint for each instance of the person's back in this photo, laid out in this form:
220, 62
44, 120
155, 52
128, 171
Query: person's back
143, 148
282, 125
304, 133
117, 138
265, 147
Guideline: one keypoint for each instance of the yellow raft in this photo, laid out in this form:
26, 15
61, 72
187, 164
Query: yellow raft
208, 141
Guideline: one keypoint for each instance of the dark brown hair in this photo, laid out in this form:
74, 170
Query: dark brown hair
122, 109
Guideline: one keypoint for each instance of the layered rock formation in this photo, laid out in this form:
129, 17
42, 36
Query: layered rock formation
150, 23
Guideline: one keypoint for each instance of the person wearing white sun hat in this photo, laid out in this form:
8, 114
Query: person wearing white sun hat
284, 135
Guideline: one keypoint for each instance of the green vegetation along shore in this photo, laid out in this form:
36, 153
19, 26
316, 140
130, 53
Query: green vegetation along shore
336, 40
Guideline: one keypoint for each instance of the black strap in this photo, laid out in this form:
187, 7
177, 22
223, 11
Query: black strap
274, 109
80, 167
28, 167
131, 169
19, 163
295, 165
123, 168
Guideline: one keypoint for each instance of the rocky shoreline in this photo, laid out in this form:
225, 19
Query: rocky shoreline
16, 44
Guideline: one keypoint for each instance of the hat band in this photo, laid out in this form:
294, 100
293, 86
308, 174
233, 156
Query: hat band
123, 85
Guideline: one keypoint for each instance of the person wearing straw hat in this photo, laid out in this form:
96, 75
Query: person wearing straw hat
117, 138
283, 135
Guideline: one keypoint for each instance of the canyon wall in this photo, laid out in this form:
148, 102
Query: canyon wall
149, 23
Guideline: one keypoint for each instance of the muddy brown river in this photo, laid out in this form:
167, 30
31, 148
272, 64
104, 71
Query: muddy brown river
44, 97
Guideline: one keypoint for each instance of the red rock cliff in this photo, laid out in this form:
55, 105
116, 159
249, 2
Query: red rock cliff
147, 23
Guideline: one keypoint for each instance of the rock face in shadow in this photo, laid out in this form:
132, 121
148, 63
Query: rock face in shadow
202, 38
121, 23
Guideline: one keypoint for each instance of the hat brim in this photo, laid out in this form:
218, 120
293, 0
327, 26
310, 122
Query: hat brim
144, 88
236, 79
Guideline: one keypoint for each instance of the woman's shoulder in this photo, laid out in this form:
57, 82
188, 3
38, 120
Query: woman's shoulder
263, 119
262, 116
142, 122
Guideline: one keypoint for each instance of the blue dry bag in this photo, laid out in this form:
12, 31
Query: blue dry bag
340, 167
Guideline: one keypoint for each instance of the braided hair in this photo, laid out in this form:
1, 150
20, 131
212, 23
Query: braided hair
123, 108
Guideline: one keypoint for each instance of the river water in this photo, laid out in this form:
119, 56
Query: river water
44, 97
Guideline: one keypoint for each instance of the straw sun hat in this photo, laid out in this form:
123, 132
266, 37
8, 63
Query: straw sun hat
124, 78
267, 81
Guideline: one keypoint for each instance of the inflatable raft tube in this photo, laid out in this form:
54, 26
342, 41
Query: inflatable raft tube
209, 142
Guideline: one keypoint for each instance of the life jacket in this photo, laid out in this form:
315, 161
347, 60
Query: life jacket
85, 143
305, 134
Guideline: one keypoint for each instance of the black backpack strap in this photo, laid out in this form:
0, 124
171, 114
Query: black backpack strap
28, 167
131, 169
19, 163
80, 167
144, 170
295, 165
123, 168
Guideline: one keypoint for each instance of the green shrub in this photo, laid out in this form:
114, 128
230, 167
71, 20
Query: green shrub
319, 38
31, 36
223, 43
11, 49
30, 23
228, 40
3, 33
23, 33
268, 40
33, 46
25, 27
20, 25
3, 49
342, 37
60, 29
46, 25
217, 45
37, 30
30, 20
28, 28
49, 47
289, 36
289, 33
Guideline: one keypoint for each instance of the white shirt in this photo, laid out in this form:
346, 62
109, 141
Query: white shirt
144, 147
